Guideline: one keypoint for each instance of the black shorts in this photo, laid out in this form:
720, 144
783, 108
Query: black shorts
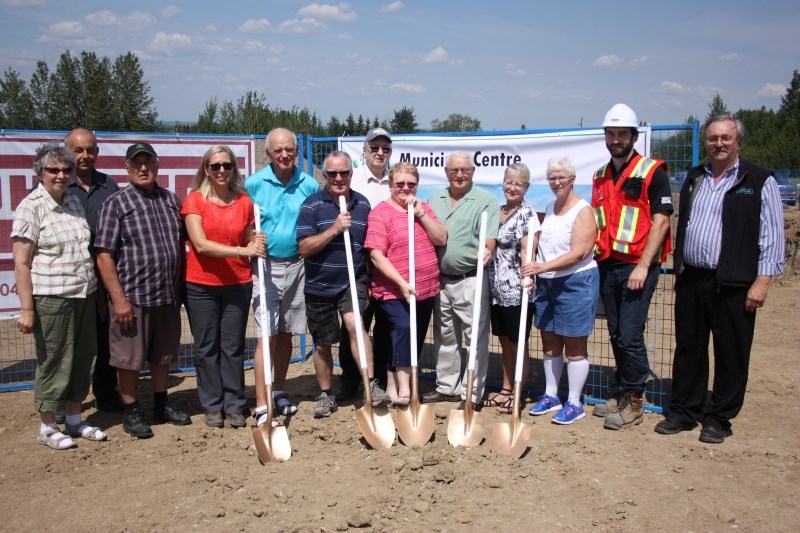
505, 321
323, 313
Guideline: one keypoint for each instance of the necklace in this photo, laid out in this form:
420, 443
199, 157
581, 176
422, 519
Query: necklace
509, 212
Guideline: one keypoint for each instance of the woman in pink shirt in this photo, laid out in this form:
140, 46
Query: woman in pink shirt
387, 240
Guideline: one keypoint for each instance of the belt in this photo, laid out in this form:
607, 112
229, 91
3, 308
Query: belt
292, 259
470, 274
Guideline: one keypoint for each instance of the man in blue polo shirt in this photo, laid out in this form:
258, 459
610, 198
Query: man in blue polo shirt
279, 189
327, 292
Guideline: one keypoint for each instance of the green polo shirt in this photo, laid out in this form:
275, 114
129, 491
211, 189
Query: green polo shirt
463, 223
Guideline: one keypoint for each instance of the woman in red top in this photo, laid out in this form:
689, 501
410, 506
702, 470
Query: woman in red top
219, 219
387, 240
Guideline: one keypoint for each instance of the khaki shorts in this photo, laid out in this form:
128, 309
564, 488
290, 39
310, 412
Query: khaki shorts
154, 338
286, 305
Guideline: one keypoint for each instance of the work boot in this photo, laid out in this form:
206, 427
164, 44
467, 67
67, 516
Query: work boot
608, 407
629, 411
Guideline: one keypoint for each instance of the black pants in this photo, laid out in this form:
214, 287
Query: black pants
381, 348
104, 379
703, 307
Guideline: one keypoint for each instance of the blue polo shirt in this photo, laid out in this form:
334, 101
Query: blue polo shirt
280, 205
326, 272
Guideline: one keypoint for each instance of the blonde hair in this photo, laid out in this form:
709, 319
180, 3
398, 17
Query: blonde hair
202, 181
403, 168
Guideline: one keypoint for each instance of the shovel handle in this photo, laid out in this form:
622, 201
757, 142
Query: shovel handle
362, 354
522, 337
262, 272
476, 302
412, 280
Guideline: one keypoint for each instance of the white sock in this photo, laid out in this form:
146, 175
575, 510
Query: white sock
552, 374
577, 372
261, 415
44, 427
74, 420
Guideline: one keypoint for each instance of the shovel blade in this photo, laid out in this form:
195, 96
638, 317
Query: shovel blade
509, 440
415, 424
271, 442
376, 426
463, 430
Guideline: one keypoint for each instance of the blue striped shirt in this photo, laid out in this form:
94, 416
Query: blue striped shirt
326, 272
704, 231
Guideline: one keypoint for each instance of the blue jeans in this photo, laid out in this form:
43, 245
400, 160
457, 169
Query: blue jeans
626, 313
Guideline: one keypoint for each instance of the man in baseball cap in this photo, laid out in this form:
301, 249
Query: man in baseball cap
139, 148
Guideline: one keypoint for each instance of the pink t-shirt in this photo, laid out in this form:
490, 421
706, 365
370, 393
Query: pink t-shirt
225, 224
387, 231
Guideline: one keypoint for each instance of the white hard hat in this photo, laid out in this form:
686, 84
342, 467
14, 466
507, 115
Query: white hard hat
620, 116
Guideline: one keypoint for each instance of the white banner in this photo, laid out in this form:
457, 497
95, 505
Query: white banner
179, 158
491, 154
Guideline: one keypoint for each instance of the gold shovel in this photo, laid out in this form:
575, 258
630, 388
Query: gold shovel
415, 420
271, 442
376, 423
466, 428
512, 438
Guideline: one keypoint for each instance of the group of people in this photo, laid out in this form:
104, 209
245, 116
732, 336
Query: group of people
102, 272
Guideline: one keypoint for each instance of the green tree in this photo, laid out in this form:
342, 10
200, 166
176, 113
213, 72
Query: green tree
95, 74
66, 96
40, 95
16, 106
404, 121
207, 121
133, 106
456, 122
716, 107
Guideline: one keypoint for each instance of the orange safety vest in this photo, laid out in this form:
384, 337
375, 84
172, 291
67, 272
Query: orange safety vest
623, 221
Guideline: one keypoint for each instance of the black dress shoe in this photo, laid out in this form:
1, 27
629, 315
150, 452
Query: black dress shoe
672, 425
135, 424
714, 433
171, 414
475, 406
436, 397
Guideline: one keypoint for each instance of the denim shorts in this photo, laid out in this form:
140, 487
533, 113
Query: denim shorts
566, 305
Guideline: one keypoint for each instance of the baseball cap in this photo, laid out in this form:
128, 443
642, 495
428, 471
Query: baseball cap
138, 148
374, 133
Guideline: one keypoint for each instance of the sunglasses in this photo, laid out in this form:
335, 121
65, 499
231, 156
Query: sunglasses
375, 148
403, 184
334, 173
216, 166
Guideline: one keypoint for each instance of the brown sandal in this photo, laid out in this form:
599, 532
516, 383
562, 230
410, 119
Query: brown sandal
504, 406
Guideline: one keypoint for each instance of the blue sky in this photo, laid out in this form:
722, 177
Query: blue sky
541, 64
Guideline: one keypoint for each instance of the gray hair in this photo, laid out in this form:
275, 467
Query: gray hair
520, 170
50, 153
561, 163
460, 154
723, 117
338, 153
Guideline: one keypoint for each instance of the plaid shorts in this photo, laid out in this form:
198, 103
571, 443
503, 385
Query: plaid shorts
323, 313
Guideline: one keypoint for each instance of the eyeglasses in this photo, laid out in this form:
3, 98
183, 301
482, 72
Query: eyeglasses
216, 166
558, 179
455, 171
724, 139
55, 171
514, 184
374, 148
403, 184
330, 174
137, 163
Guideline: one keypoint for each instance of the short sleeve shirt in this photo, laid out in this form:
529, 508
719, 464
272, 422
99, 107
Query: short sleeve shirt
387, 232
326, 272
505, 269
223, 224
280, 205
146, 233
61, 264
463, 222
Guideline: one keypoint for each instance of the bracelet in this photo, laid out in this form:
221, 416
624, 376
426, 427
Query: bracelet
237, 252
422, 215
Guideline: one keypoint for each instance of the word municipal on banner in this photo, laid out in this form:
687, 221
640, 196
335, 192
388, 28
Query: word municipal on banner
178, 161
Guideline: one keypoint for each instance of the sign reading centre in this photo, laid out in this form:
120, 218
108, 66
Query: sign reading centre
178, 162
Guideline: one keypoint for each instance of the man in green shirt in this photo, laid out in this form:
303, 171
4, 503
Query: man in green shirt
459, 208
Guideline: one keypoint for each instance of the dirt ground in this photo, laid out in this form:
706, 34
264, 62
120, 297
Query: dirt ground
573, 478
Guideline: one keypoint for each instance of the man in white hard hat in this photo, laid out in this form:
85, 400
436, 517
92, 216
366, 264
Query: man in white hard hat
370, 178
632, 202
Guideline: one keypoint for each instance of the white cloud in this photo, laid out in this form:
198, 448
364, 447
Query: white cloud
253, 46
673, 87
103, 18
163, 42
341, 12
253, 25
209, 28
394, 6
512, 70
304, 25
67, 28
733, 56
408, 87
169, 11
23, 3
772, 89
134, 19
638, 62
437, 55
607, 60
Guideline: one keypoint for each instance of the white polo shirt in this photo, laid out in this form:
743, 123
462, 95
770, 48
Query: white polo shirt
375, 189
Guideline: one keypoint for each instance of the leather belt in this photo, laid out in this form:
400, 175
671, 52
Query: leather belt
470, 274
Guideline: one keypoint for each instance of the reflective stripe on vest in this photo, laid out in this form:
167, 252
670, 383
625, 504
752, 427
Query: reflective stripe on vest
627, 229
